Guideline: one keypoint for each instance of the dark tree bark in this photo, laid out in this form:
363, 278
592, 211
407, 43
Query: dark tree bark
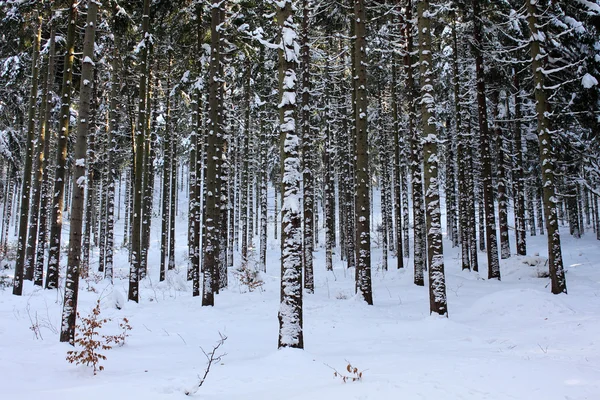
69, 313
21, 269
557, 273
518, 178
485, 142
211, 224
363, 201
61, 154
307, 154
143, 106
38, 227
419, 238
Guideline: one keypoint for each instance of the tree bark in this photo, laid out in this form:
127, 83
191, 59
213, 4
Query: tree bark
485, 141
136, 235
363, 201
22, 270
435, 249
69, 313
307, 154
61, 154
557, 273
290, 309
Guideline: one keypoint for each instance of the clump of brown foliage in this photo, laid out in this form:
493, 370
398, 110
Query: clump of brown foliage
91, 341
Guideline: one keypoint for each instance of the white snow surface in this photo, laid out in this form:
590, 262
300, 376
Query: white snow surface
589, 81
503, 340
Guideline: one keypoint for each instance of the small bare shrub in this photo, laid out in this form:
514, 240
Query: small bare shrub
5, 281
211, 358
353, 374
248, 274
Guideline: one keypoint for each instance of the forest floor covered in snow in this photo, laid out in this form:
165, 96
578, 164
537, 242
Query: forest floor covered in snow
503, 340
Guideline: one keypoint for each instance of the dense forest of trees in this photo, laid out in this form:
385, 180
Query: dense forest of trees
482, 107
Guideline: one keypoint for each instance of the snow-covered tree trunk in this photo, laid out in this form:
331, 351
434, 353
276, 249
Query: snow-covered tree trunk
211, 243
461, 152
419, 239
501, 179
307, 154
518, 178
328, 172
138, 172
485, 144
363, 201
398, 167
166, 176
245, 141
22, 270
173, 194
290, 309
61, 154
435, 249
557, 273
40, 197
596, 217
69, 313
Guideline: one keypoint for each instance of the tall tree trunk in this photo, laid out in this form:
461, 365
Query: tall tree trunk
136, 236
211, 225
172, 195
112, 148
245, 171
166, 189
435, 249
61, 154
501, 182
290, 309
462, 151
69, 313
36, 251
518, 179
557, 273
485, 142
398, 168
415, 158
307, 154
21, 267
363, 201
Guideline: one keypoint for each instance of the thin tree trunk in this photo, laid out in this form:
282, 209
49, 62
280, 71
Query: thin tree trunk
69, 313
363, 201
21, 268
166, 189
307, 154
136, 236
485, 142
38, 227
398, 168
61, 153
501, 183
415, 158
518, 179
557, 273
211, 224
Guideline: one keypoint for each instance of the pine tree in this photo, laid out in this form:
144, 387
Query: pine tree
290, 309
69, 313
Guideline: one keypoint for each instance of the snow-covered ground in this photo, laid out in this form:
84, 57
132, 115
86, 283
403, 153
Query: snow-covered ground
503, 340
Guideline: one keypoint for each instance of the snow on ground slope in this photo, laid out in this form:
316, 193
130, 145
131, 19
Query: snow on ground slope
503, 340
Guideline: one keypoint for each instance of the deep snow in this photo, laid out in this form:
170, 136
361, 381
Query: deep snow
503, 340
